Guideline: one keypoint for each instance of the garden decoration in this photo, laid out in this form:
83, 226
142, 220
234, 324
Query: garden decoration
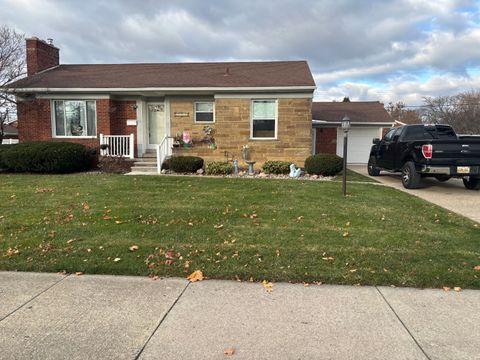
235, 167
246, 158
294, 172
187, 139
208, 132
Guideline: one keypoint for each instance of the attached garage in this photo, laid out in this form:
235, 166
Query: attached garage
359, 143
368, 120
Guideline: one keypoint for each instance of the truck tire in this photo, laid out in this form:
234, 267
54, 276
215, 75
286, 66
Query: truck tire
443, 178
372, 167
410, 177
472, 183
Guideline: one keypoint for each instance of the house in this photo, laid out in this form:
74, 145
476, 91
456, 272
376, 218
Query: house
367, 118
137, 109
10, 134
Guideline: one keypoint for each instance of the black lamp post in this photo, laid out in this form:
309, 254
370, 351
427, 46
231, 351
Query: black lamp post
345, 127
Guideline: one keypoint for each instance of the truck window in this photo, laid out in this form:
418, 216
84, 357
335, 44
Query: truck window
445, 132
417, 133
389, 135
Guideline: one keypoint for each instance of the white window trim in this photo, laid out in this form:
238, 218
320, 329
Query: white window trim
251, 121
54, 125
195, 112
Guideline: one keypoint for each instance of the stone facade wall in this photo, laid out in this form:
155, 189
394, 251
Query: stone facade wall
232, 131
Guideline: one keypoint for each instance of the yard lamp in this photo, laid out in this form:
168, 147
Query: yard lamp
345, 127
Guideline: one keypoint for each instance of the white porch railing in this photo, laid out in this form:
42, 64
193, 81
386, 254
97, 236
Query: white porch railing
163, 150
118, 145
9, 141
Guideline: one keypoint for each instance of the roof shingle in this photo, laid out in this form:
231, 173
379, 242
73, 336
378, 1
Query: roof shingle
357, 111
220, 74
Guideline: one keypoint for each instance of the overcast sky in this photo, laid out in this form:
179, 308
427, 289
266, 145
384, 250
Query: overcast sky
364, 49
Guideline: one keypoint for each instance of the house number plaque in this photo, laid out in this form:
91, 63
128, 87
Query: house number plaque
182, 114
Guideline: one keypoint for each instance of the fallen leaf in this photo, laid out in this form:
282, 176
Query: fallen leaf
229, 351
218, 226
457, 288
78, 273
348, 223
328, 258
353, 270
85, 205
197, 275
267, 285
477, 268
446, 288
345, 234
106, 217
133, 248
116, 260
44, 190
119, 222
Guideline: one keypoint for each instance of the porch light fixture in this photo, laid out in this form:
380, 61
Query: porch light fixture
345, 127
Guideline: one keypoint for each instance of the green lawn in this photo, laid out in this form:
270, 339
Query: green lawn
280, 230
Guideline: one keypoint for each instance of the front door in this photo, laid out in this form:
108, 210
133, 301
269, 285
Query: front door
156, 126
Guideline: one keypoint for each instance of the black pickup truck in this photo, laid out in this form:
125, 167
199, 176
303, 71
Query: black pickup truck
427, 150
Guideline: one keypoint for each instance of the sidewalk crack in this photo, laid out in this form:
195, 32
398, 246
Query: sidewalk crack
161, 321
33, 298
403, 324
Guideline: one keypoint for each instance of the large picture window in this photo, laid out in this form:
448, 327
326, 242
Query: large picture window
204, 112
264, 119
75, 118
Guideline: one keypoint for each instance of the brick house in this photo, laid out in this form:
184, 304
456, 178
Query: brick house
368, 120
137, 109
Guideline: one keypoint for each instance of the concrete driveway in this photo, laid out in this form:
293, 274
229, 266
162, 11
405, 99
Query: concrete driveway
52, 316
450, 195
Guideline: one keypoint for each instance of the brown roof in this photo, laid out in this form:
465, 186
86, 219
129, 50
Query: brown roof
225, 74
357, 111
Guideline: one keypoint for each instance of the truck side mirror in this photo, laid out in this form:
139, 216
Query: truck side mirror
376, 141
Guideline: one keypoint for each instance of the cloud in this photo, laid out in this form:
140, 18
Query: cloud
388, 50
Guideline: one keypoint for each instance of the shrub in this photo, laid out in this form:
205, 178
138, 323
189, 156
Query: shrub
218, 168
47, 157
114, 165
276, 167
4, 149
166, 164
324, 164
185, 164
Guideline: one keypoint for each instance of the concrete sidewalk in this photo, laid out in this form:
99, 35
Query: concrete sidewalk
50, 316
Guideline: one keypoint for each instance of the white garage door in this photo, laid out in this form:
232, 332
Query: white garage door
359, 143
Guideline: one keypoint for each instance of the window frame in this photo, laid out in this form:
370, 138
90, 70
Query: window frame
54, 124
207, 112
253, 101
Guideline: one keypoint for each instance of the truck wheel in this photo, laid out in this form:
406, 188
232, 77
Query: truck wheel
410, 176
443, 178
472, 183
372, 167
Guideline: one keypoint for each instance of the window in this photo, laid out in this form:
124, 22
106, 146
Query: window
264, 119
75, 118
204, 112
388, 136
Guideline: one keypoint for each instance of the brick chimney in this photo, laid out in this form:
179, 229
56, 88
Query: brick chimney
41, 55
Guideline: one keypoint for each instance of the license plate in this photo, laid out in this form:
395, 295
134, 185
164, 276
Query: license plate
463, 169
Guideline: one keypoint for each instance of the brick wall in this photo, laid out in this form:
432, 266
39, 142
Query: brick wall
326, 141
232, 126
40, 55
35, 122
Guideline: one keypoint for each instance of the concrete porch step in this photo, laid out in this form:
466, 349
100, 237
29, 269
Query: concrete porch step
145, 162
143, 169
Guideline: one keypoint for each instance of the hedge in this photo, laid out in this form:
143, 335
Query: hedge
185, 164
324, 164
276, 167
46, 157
218, 168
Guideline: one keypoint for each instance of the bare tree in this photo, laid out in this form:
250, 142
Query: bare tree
400, 112
461, 111
12, 67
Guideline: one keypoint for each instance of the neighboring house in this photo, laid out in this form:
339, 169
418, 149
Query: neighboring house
10, 134
368, 119
266, 105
